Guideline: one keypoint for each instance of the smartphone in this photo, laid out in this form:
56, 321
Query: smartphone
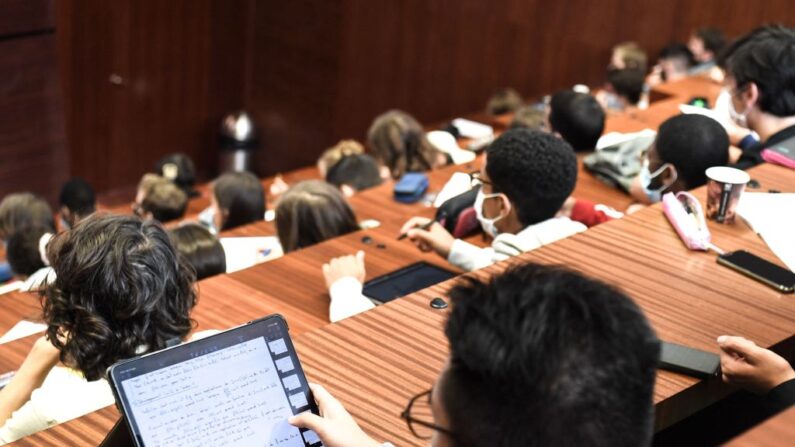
689, 361
759, 269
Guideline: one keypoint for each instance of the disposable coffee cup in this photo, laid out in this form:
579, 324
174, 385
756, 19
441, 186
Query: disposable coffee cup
723, 192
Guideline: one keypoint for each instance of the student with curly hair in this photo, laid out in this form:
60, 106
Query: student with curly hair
121, 291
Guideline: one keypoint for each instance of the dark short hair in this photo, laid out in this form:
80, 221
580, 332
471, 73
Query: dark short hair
310, 212
358, 171
578, 118
120, 288
22, 210
713, 39
78, 197
542, 356
22, 251
766, 57
201, 249
241, 196
178, 168
627, 83
692, 143
679, 53
162, 198
534, 169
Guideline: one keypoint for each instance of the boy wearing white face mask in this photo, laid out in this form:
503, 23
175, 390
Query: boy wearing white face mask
686, 145
525, 179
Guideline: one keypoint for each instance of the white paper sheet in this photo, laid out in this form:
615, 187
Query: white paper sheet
21, 330
772, 216
472, 129
244, 252
459, 183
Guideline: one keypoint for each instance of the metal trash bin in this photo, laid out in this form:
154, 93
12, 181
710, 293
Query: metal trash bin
237, 143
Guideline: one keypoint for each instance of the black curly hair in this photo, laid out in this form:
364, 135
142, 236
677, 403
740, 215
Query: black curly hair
536, 170
120, 289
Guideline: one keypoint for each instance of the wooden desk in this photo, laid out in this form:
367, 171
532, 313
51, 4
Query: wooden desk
778, 431
18, 306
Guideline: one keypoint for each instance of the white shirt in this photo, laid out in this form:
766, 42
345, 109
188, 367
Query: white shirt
346, 293
64, 395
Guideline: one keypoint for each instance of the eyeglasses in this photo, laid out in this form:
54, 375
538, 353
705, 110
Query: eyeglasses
476, 179
419, 417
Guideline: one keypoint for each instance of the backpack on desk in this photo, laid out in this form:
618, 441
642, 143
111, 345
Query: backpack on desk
619, 164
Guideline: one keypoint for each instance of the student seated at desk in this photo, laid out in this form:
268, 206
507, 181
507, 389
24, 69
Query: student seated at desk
759, 370
121, 290
624, 89
504, 101
628, 55
179, 169
19, 211
539, 356
77, 201
577, 118
398, 142
758, 70
705, 44
159, 199
525, 178
237, 198
673, 64
201, 249
312, 211
26, 253
354, 173
685, 146
529, 117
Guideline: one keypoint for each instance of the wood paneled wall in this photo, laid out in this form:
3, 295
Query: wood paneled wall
309, 71
32, 149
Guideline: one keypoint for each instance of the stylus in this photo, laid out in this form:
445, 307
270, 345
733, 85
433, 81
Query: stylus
418, 227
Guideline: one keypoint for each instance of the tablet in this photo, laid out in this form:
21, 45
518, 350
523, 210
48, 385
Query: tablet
236, 389
405, 281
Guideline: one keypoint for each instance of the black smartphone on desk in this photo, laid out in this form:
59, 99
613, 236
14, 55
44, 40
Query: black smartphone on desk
759, 269
689, 361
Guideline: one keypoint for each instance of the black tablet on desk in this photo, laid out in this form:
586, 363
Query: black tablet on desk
236, 389
405, 281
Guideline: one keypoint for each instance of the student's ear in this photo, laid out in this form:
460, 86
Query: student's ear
750, 94
347, 190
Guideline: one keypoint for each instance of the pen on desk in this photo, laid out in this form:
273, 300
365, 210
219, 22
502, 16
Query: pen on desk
425, 226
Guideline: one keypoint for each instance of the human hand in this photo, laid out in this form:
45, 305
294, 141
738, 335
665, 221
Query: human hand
435, 238
343, 266
745, 364
335, 426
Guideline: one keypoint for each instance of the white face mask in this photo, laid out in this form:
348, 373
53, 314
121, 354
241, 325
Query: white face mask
646, 177
486, 223
207, 218
741, 119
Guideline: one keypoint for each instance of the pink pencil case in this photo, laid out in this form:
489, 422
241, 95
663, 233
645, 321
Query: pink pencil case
687, 217
780, 157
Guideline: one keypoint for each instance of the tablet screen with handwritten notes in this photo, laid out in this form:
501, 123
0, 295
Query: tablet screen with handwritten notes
236, 388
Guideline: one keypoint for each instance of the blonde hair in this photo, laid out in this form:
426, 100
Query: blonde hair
633, 55
504, 101
161, 197
398, 142
334, 154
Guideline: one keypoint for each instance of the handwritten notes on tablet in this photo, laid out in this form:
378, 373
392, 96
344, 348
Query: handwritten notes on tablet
230, 397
